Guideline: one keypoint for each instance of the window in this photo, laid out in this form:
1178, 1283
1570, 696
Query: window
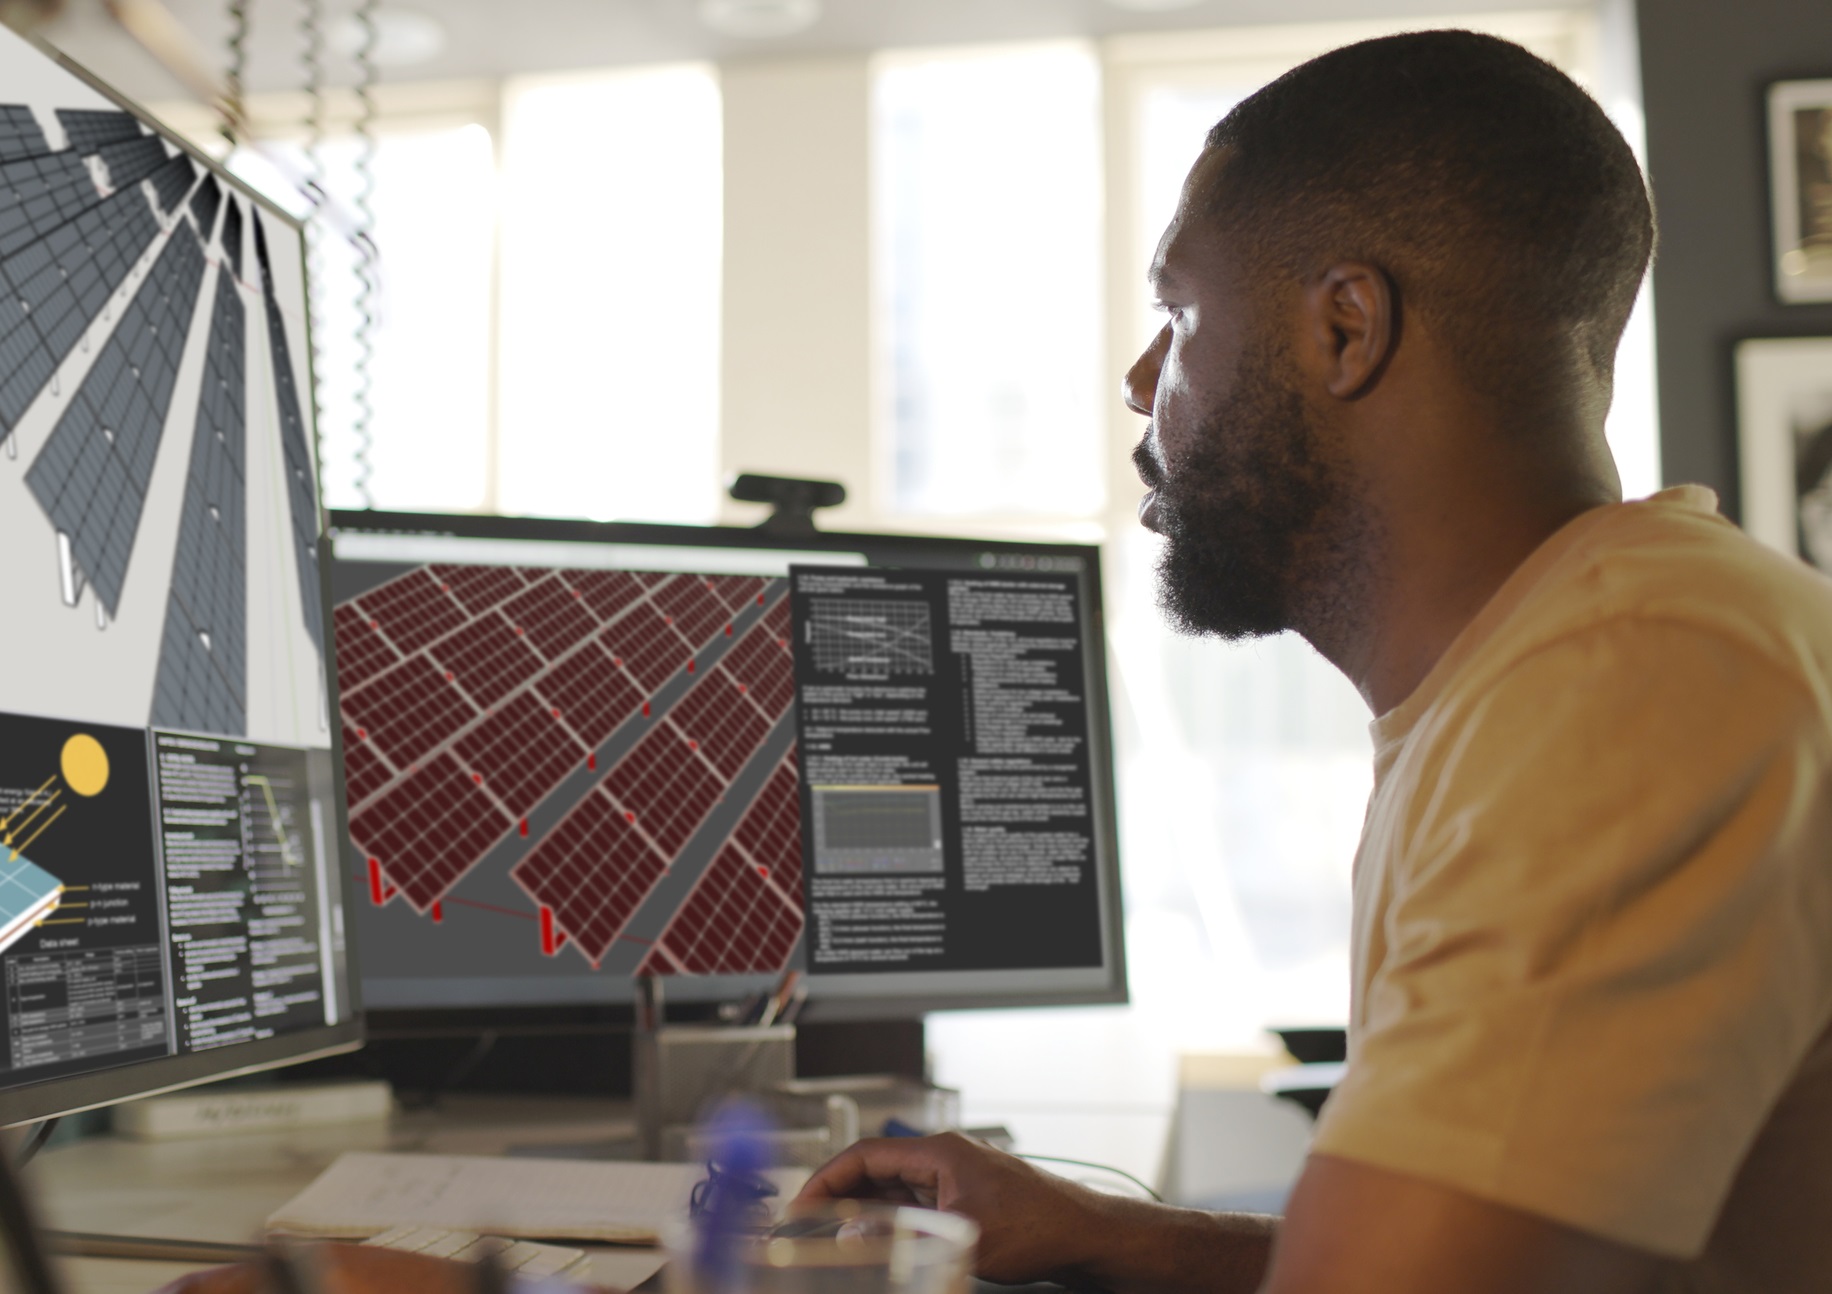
435, 223
547, 327
610, 296
987, 250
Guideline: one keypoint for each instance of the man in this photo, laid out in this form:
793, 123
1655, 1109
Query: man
1592, 943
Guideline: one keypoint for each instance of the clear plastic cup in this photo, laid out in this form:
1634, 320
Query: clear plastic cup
842, 1247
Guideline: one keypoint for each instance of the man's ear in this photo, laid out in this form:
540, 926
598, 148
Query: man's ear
1352, 320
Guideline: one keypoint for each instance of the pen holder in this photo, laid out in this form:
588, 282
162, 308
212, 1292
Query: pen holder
682, 1070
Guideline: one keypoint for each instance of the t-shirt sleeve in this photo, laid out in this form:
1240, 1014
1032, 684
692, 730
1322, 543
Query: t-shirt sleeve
1608, 938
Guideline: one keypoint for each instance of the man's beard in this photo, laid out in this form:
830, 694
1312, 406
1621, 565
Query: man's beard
1244, 513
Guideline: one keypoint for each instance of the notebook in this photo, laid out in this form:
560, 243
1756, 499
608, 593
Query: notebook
364, 1193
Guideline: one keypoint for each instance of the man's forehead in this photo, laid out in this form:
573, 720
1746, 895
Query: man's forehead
1189, 245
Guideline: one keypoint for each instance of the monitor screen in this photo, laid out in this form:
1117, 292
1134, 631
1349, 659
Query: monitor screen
170, 904
580, 753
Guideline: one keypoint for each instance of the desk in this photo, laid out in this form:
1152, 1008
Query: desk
223, 1189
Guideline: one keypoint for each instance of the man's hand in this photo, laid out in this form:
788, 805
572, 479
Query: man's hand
342, 1269
1033, 1225
1037, 1226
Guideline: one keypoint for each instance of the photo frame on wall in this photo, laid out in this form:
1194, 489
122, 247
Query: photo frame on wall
1800, 177
1784, 436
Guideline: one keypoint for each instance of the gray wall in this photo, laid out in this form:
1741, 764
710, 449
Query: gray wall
1704, 64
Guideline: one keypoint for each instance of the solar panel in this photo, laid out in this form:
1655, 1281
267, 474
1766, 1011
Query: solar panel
626, 708
57, 286
301, 482
92, 474
20, 133
27, 893
204, 205
202, 681
88, 129
131, 161
172, 182
232, 234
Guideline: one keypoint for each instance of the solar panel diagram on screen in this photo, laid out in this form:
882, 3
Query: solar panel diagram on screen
620, 743
135, 418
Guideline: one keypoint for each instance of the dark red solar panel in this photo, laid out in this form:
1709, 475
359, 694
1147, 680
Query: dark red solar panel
364, 771
552, 615
487, 658
362, 650
771, 831
606, 592
738, 591
735, 921
647, 647
592, 695
428, 830
762, 664
666, 786
412, 610
448, 750
722, 722
479, 588
408, 712
519, 754
688, 600
593, 870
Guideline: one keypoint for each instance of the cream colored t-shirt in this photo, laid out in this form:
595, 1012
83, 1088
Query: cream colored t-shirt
1592, 948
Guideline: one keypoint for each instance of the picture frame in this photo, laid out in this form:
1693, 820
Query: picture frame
1800, 179
1784, 437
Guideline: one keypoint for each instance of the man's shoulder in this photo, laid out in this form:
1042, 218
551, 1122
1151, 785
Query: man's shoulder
1672, 565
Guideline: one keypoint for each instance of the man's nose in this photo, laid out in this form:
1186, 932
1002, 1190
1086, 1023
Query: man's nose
1140, 387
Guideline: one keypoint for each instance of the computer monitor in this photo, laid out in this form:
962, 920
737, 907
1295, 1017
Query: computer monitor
170, 820
578, 753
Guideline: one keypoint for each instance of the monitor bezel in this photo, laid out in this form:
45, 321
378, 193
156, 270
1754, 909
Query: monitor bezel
72, 1094
408, 1021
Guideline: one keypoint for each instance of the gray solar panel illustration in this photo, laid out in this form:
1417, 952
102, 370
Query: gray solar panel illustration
203, 206
37, 194
92, 474
202, 680
232, 234
20, 133
132, 160
56, 287
301, 480
89, 128
172, 184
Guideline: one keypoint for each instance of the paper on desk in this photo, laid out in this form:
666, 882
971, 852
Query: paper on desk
364, 1193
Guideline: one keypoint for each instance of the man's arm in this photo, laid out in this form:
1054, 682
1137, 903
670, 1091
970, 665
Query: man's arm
1349, 1229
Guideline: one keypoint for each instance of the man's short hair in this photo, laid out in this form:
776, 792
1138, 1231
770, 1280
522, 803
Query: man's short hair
1495, 192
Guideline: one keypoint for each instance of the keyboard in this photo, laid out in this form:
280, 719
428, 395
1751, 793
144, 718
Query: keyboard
523, 1257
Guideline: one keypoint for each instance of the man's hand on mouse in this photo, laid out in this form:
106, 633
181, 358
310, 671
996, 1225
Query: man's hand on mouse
1033, 1225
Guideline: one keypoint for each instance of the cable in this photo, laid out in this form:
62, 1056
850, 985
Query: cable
1088, 1163
368, 277
35, 1142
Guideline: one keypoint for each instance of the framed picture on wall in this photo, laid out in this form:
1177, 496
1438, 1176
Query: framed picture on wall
1800, 171
1784, 437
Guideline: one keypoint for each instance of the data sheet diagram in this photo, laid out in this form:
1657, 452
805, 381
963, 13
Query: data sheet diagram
944, 737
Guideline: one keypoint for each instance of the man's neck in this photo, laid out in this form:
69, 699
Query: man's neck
1431, 579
